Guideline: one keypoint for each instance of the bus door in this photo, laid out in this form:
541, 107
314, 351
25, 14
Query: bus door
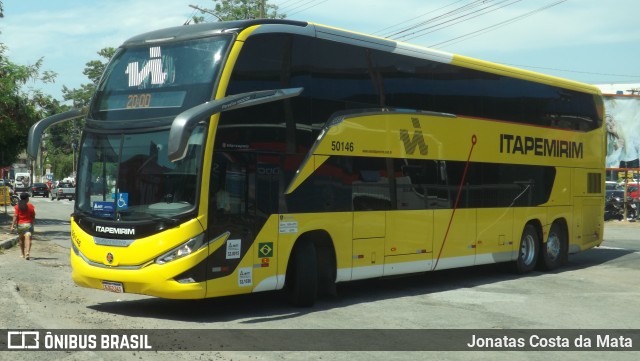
371, 200
233, 203
267, 190
409, 241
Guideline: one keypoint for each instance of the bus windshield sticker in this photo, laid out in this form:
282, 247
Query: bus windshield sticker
234, 247
103, 208
123, 200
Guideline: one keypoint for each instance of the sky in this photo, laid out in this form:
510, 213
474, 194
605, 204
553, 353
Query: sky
591, 41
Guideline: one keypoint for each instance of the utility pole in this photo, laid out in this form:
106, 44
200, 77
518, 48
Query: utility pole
206, 11
262, 9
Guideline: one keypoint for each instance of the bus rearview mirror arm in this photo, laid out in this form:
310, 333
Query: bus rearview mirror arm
186, 121
36, 130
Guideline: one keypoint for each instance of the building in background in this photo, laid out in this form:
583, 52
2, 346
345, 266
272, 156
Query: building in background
622, 109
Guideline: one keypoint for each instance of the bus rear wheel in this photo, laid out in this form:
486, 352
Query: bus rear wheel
554, 251
302, 275
528, 250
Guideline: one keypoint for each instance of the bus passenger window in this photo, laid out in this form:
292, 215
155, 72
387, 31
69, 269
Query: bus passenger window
371, 191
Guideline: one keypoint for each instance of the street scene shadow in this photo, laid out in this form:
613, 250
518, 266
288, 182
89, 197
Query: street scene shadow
269, 306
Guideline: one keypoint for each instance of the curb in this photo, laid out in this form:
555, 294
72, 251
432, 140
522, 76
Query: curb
8, 243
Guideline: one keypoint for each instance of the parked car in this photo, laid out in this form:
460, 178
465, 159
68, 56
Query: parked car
612, 185
39, 189
63, 191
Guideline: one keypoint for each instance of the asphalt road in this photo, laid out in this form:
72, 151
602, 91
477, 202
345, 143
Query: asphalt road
596, 292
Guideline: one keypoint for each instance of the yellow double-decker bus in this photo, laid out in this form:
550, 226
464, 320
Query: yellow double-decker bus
238, 157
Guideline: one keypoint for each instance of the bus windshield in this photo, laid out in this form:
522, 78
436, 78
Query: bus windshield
129, 177
159, 80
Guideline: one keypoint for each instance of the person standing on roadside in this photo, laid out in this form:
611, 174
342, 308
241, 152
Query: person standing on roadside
24, 215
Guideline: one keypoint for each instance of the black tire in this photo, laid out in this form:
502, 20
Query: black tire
528, 250
302, 276
554, 251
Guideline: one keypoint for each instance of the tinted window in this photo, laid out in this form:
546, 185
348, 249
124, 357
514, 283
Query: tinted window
362, 184
427, 85
271, 61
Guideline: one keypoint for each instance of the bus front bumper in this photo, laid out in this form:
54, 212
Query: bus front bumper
152, 280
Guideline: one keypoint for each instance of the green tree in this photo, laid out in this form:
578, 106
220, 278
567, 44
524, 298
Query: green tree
225, 10
20, 108
63, 137
93, 70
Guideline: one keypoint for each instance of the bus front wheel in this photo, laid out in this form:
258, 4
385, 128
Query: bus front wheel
528, 251
302, 275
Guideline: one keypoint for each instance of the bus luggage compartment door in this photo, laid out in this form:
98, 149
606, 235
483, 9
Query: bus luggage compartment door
368, 244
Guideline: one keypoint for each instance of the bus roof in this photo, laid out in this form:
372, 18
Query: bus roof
354, 38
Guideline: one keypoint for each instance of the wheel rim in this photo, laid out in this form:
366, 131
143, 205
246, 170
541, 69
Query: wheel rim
527, 250
553, 246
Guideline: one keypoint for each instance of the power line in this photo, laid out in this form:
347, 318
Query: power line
637, 76
287, 1
457, 20
190, 18
417, 17
496, 26
309, 7
453, 12
298, 6
302, 4
291, 6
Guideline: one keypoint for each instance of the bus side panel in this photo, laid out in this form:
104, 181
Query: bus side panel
588, 224
561, 192
457, 247
588, 209
368, 258
409, 242
495, 235
338, 227
265, 261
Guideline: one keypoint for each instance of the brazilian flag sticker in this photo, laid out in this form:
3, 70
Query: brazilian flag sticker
265, 249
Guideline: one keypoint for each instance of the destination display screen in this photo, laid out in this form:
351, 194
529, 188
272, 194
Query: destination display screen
143, 100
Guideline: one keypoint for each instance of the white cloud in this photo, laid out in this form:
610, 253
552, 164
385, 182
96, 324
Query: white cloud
68, 37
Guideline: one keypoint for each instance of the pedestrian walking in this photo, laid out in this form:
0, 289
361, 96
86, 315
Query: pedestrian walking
24, 216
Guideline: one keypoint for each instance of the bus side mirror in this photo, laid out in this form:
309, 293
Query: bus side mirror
36, 130
186, 121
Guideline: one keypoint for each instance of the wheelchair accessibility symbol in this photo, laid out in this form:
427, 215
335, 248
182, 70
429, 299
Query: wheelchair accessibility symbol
123, 200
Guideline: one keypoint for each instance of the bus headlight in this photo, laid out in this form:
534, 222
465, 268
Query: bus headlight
183, 250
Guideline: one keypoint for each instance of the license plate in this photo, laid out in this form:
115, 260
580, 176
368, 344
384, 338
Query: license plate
112, 287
